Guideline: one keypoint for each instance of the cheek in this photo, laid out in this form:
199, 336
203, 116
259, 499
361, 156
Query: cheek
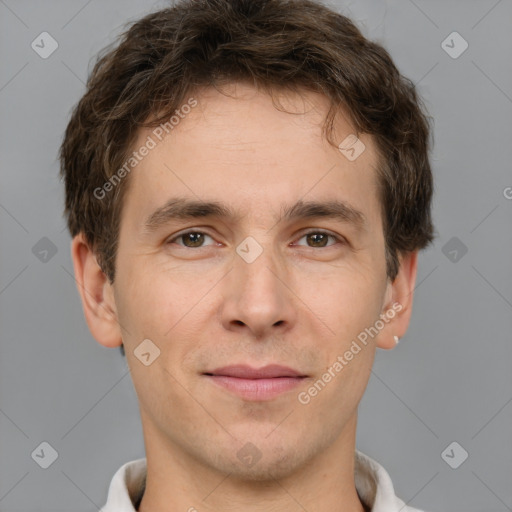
347, 301
151, 303
171, 311
334, 395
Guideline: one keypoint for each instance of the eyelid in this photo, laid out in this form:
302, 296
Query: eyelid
338, 238
186, 232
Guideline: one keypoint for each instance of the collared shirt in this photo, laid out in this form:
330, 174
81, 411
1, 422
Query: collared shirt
372, 482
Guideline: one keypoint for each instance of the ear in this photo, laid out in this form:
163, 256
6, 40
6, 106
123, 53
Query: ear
397, 309
97, 294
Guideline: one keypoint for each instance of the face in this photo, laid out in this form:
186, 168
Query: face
254, 283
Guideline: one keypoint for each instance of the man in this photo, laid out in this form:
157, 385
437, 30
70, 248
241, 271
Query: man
248, 187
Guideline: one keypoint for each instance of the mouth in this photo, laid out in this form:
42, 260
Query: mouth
256, 384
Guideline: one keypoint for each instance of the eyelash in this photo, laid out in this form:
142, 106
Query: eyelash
313, 231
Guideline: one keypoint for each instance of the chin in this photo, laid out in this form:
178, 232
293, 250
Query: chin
262, 463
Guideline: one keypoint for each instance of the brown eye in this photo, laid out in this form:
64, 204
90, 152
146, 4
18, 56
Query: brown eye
319, 239
191, 239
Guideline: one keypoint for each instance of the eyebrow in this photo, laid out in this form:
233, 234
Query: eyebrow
184, 208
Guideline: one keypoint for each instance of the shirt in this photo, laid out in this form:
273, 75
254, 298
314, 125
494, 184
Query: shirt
373, 485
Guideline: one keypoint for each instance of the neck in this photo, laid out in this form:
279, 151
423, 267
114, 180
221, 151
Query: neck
177, 480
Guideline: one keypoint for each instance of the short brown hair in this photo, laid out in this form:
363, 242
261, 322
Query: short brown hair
298, 44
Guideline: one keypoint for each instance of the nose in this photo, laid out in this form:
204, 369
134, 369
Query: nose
258, 296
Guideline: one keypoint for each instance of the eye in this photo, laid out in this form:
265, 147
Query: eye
191, 239
319, 238
195, 239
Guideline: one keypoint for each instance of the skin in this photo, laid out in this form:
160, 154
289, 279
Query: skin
301, 303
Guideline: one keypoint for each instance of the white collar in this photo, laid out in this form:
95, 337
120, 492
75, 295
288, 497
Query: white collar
372, 482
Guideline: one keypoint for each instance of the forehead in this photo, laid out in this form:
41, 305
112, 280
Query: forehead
253, 153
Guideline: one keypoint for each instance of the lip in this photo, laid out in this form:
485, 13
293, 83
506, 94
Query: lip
243, 371
256, 383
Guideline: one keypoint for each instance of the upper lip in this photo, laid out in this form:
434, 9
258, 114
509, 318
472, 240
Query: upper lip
242, 371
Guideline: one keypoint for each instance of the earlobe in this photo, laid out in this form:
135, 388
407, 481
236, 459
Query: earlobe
398, 307
96, 294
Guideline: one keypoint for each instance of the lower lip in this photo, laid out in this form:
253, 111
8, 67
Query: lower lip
257, 389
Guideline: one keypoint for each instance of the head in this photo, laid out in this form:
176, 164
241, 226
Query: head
243, 105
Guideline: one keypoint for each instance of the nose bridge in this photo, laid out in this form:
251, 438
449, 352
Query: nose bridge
257, 295
257, 268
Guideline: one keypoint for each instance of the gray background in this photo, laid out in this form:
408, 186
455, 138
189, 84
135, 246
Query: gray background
449, 379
